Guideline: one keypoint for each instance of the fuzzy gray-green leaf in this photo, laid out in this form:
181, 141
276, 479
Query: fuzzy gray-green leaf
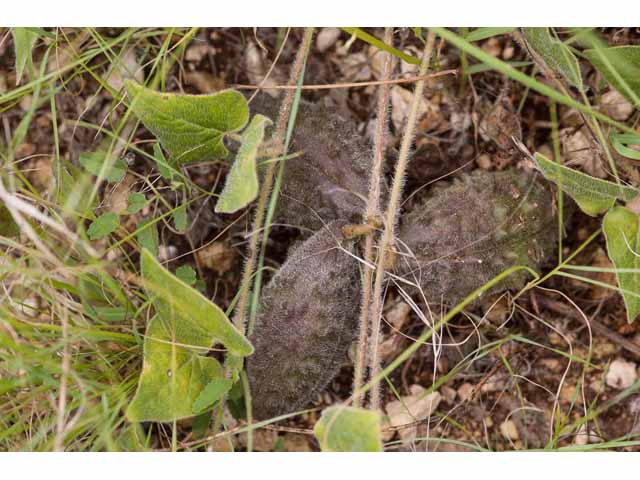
621, 228
242, 182
620, 66
24, 39
190, 127
148, 236
349, 429
172, 294
593, 195
554, 53
176, 370
210, 394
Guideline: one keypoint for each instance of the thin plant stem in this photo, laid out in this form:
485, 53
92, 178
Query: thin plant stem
373, 211
279, 138
388, 234
265, 190
333, 86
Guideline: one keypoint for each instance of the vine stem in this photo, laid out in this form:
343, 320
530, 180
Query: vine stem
388, 234
278, 141
373, 211
265, 189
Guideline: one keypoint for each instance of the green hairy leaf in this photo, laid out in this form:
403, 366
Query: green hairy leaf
593, 195
148, 236
175, 367
210, 394
135, 202
190, 127
242, 181
164, 168
24, 39
187, 274
621, 228
173, 375
180, 218
620, 66
555, 54
103, 225
349, 429
94, 163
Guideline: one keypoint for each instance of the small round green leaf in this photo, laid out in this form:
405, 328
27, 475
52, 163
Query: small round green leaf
136, 202
349, 429
103, 225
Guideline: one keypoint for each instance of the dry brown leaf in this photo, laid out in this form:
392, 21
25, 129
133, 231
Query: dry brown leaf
217, 256
412, 408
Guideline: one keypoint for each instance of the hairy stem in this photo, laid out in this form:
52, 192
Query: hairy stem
373, 211
388, 234
265, 189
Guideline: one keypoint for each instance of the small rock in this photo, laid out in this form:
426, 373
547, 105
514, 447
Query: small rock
264, 440
117, 199
407, 68
204, 81
294, 442
568, 395
622, 374
167, 252
465, 391
509, 430
256, 67
417, 406
552, 364
497, 310
616, 106
126, 67
41, 173
356, 67
25, 102
493, 384
377, 61
398, 314
327, 38
390, 347
578, 150
507, 53
449, 394
585, 436
492, 47
196, 52
484, 161
401, 99
597, 385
